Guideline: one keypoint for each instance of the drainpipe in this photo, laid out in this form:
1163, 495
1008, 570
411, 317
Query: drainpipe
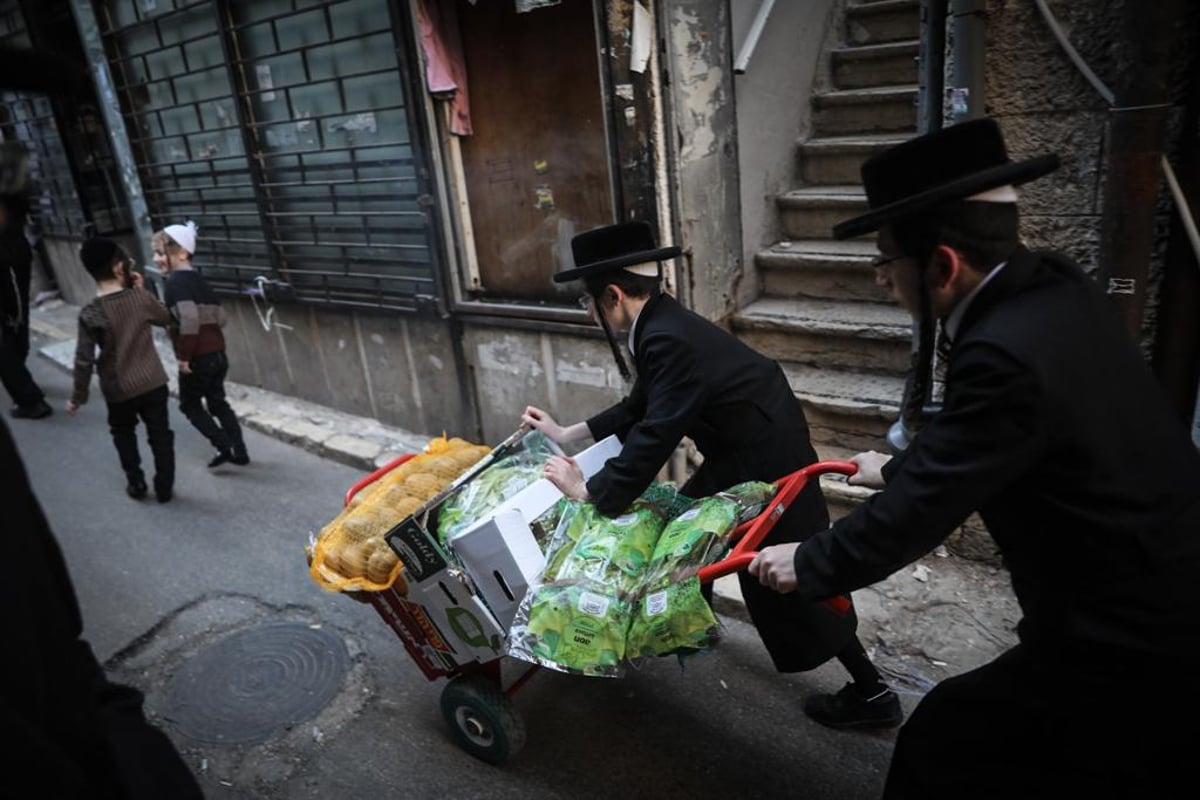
931, 65
110, 109
970, 41
1137, 134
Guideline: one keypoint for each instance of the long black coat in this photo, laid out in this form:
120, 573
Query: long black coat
1054, 430
696, 380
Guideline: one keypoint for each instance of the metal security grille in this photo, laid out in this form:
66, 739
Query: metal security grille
282, 127
28, 117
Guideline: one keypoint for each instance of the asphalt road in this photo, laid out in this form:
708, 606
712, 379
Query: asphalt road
158, 584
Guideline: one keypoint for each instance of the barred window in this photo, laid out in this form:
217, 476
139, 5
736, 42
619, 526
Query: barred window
284, 129
28, 117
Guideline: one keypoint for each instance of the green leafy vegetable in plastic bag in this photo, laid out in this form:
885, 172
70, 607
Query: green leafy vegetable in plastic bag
574, 627
670, 620
613, 552
487, 490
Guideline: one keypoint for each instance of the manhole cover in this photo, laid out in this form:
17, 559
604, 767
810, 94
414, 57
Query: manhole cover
253, 684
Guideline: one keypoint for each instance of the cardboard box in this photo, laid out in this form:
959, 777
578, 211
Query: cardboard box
500, 553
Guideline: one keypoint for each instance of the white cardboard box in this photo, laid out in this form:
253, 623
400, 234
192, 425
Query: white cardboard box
499, 551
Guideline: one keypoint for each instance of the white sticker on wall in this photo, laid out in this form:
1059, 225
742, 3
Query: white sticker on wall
263, 71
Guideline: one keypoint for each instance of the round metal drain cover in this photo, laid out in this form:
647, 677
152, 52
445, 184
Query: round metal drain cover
253, 684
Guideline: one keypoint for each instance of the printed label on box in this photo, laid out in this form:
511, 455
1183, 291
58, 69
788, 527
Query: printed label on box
421, 556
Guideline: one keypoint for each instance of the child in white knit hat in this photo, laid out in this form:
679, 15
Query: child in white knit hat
199, 344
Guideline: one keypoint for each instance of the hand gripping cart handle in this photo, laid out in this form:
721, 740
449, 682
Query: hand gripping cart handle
748, 535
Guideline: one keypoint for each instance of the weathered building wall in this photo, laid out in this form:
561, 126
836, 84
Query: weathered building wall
773, 113
401, 370
1046, 105
702, 131
572, 377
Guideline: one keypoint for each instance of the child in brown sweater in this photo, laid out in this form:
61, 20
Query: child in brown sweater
132, 378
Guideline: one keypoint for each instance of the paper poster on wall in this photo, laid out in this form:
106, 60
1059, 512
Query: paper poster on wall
639, 47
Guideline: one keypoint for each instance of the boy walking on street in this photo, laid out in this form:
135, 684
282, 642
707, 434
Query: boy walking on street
199, 345
132, 377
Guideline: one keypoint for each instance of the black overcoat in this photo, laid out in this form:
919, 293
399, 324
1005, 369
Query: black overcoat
1056, 432
695, 379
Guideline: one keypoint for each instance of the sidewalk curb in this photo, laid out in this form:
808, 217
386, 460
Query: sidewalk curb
360, 442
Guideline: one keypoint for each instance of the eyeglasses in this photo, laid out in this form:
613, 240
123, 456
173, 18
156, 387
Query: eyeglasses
883, 261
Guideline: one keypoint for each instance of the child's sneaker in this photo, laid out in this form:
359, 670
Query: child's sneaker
222, 457
136, 488
849, 709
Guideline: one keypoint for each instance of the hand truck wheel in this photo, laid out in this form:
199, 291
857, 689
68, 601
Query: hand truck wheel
482, 718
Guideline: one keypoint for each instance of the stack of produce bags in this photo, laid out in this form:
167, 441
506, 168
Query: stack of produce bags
349, 553
619, 589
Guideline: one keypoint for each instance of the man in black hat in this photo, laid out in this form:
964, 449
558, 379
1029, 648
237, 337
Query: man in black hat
696, 380
1054, 430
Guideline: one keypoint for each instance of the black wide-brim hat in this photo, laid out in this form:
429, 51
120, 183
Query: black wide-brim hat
613, 247
940, 167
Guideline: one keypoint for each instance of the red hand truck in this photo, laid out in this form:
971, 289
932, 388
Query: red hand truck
475, 703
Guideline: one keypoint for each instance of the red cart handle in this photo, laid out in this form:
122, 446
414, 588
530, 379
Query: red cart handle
748, 535
374, 476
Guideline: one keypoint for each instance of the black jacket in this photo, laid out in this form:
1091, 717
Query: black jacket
1055, 431
695, 379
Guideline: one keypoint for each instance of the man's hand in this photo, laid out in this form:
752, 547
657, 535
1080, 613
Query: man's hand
775, 567
72, 407
540, 420
185, 368
870, 469
138, 279
567, 476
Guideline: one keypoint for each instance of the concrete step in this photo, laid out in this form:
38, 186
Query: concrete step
836, 160
811, 213
841, 497
864, 66
828, 333
885, 21
848, 411
881, 109
821, 269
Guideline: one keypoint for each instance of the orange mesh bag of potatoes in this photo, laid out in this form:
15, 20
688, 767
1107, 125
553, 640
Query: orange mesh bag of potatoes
350, 553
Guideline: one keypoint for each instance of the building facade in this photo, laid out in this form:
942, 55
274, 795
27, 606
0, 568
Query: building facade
384, 187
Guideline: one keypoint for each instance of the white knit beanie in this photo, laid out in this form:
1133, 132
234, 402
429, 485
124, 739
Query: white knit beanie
184, 235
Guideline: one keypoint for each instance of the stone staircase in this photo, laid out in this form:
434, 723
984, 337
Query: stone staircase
843, 344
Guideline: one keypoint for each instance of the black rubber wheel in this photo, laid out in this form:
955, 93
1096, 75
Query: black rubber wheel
482, 719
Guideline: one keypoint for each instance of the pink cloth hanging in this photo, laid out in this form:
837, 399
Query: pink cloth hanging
445, 67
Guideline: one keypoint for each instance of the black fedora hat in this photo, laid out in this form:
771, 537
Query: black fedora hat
946, 165
613, 247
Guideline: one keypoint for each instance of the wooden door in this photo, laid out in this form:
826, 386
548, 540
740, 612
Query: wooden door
537, 166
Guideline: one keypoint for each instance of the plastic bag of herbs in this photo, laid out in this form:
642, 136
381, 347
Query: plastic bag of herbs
575, 617
498, 482
670, 614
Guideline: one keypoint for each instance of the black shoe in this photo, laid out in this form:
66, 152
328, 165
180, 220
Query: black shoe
240, 457
39, 410
136, 489
163, 495
222, 457
849, 709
